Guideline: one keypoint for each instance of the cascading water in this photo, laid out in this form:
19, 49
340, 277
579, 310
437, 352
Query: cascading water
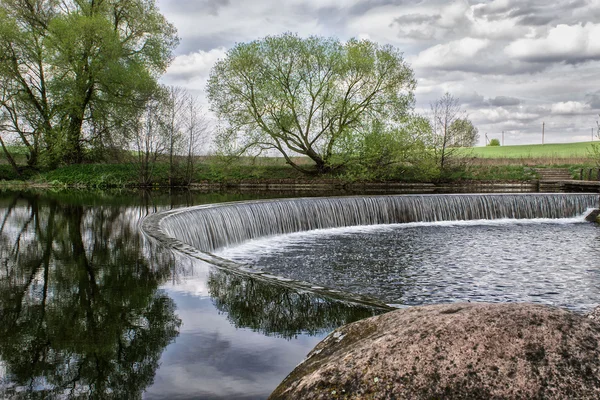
208, 228
201, 231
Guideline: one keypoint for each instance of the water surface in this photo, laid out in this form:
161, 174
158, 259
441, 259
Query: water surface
89, 308
550, 261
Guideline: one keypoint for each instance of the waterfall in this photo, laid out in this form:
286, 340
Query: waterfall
207, 228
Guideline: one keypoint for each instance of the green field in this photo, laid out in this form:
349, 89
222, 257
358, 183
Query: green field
558, 150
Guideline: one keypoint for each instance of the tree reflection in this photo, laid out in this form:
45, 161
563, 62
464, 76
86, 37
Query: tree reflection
279, 311
81, 313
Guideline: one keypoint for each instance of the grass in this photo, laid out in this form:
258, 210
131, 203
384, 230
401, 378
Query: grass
507, 163
581, 150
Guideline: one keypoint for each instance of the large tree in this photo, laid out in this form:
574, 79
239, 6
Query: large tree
307, 96
67, 66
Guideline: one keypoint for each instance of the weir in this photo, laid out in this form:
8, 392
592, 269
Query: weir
199, 231
208, 228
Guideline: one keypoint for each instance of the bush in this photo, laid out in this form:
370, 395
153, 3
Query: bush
494, 142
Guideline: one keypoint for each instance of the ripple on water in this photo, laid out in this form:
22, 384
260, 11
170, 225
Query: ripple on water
546, 261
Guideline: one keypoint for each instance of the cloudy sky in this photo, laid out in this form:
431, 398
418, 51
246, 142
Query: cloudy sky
513, 64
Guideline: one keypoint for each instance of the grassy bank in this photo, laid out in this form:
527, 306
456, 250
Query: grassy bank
558, 150
124, 175
508, 163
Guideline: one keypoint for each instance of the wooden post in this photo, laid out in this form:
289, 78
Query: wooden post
581, 174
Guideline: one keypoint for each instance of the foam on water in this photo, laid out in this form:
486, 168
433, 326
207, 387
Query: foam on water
256, 248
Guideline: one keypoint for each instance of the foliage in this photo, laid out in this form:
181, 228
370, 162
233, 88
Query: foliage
463, 133
384, 152
70, 71
494, 142
447, 120
307, 96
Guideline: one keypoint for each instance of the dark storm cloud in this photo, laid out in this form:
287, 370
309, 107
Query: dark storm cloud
504, 101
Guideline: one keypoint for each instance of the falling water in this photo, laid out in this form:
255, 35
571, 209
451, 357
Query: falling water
208, 228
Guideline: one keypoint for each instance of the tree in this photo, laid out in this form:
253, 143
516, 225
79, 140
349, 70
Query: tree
463, 133
149, 130
306, 96
195, 130
444, 113
69, 64
494, 142
385, 152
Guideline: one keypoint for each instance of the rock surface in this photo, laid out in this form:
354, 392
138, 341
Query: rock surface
455, 351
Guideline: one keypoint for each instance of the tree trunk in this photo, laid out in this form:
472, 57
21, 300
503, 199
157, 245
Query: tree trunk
74, 152
9, 157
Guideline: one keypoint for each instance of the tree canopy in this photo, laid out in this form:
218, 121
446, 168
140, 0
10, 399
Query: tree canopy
67, 68
463, 133
307, 96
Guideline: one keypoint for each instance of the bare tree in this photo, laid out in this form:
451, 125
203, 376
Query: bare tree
174, 106
444, 113
150, 139
196, 130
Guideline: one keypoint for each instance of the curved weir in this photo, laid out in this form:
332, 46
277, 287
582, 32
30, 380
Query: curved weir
199, 231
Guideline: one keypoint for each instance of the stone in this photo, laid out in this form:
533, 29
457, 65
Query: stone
594, 314
455, 351
593, 216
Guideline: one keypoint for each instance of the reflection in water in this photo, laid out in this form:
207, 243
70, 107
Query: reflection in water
87, 307
279, 311
81, 311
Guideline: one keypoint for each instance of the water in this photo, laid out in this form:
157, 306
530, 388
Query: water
213, 227
554, 262
89, 308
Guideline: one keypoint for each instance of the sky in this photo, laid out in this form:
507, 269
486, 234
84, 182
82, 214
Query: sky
514, 65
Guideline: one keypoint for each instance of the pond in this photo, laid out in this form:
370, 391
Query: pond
90, 307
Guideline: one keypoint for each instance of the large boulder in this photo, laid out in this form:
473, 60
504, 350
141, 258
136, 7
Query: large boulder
455, 351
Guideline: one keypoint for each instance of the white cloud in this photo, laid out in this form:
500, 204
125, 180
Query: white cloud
451, 55
570, 108
499, 114
570, 43
191, 71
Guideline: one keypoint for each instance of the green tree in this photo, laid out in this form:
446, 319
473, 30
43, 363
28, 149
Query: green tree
463, 133
307, 96
69, 66
386, 152
494, 142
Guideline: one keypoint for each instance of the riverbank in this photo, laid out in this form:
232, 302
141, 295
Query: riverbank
256, 175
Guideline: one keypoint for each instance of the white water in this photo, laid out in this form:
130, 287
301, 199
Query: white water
256, 248
214, 227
